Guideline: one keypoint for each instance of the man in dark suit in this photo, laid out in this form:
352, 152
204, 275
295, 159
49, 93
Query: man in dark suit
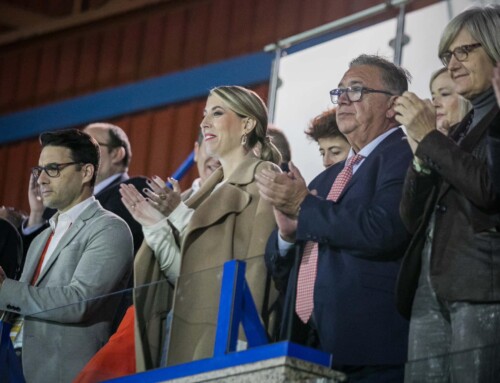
116, 154
353, 223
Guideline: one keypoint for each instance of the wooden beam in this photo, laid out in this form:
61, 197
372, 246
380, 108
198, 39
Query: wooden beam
110, 9
18, 17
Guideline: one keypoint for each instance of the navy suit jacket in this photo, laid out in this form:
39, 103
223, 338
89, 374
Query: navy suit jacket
361, 240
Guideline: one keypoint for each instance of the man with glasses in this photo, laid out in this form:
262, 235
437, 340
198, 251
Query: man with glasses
116, 154
346, 228
72, 267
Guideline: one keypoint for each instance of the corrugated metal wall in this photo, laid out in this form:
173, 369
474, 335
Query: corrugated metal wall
170, 37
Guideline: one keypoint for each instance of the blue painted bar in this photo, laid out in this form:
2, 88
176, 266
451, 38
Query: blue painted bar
254, 330
132, 98
181, 171
229, 315
256, 354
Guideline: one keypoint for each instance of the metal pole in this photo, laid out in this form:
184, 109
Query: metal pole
280, 45
400, 36
273, 85
330, 27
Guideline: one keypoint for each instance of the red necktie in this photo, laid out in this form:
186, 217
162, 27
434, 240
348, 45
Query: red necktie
40, 261
307, 271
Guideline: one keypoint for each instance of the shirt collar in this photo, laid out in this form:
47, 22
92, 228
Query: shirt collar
367, 149
196, 185
72, 214
105, 183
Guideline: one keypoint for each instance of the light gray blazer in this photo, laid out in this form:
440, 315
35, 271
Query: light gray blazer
67, 319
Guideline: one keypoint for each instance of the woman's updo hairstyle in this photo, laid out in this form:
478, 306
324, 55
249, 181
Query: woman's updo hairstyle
247, 104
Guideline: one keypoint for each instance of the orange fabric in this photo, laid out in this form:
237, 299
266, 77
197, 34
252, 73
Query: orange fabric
40, 261
116, 358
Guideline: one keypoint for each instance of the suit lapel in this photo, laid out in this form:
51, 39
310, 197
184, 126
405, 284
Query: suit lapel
66, 239
228, 198
123, 177
32, 261
472, 139
361, 172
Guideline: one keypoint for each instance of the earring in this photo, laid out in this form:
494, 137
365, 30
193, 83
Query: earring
244, 139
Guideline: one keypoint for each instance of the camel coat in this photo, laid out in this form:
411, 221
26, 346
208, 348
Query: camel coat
229, 222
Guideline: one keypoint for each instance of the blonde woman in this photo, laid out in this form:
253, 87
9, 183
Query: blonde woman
451, 108
225, 219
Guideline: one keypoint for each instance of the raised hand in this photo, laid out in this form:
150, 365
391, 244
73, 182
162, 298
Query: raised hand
35, 202
139, 207
285, 191
417, 115
162, 197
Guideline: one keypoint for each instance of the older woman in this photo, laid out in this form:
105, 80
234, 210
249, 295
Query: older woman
450, 278
225, 219
451, 108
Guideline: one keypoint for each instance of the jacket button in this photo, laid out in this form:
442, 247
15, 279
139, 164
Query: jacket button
441, 208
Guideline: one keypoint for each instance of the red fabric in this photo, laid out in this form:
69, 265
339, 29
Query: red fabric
304, 302
116, 358
40, 261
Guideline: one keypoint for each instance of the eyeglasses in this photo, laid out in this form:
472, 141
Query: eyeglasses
461, 53
52, 170
105, 144
354, 94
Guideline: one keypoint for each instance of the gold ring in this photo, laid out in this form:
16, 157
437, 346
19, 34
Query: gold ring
163, 196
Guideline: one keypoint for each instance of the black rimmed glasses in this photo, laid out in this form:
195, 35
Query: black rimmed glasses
354, 93
461, 53
52, 170
105, 144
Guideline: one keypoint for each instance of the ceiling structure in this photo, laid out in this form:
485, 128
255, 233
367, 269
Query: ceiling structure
25, 19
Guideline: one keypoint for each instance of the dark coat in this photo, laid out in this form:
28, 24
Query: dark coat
494, 156
465, 260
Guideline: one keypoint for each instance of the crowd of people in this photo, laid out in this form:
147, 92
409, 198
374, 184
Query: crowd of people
388, 259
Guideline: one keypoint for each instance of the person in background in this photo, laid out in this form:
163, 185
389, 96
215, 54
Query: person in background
451, 108
449, 283
348, 233
11, 246
205, 164
333, 146
72, 267
279, 139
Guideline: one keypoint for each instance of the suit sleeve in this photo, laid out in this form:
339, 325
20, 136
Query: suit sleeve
104, 267
416, 190
279, 266
494, 157
369, 226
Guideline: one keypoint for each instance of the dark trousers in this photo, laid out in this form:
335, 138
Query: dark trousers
373, 374
451, 341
